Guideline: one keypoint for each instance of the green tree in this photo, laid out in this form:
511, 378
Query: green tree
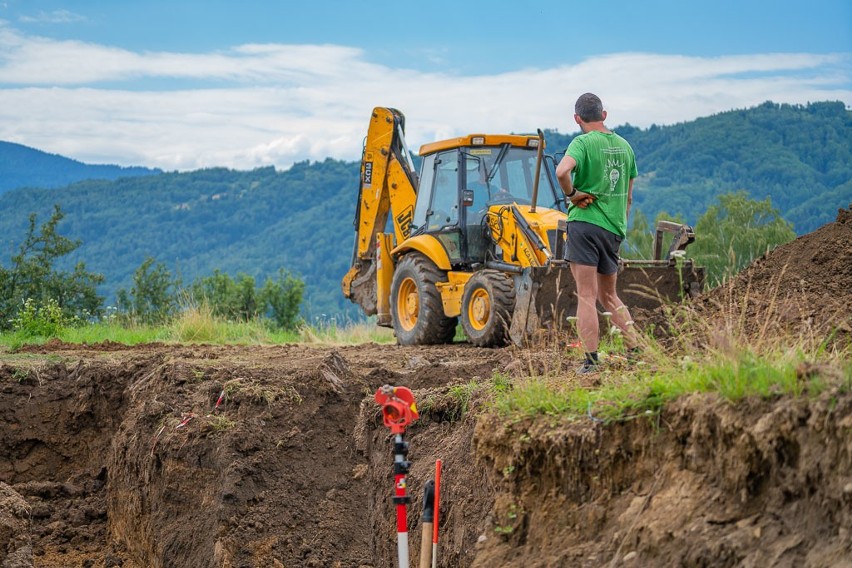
283, 299
246, 302
240, 299
640, 237
234, 299
33, 275
153, 297
736, 231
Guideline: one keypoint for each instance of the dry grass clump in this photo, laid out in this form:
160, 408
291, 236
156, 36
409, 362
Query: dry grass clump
349, 334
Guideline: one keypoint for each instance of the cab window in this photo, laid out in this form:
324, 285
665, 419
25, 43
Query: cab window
444, 206
424, 194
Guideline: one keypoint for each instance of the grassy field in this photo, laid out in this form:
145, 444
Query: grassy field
200, 326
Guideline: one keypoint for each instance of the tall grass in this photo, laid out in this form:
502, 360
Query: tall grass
197, 324
743, 347
353, 333
625, 393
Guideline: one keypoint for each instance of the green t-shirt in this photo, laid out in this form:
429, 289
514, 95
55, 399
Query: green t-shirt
605, 166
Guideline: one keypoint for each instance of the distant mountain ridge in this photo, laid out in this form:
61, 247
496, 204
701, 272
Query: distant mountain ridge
22, 166
301, 219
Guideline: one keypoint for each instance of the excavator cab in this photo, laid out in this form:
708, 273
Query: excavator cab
462, 179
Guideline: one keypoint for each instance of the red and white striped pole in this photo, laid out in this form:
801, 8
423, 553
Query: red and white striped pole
435, 518
401, 498
398, 410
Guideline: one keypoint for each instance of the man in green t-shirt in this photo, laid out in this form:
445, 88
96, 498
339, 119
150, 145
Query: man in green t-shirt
597, 175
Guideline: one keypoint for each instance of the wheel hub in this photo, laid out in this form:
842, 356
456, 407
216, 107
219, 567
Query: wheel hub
411, 305
480, 309
408, 304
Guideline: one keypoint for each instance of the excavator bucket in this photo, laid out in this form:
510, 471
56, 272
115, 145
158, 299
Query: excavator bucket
546, 297
359, 285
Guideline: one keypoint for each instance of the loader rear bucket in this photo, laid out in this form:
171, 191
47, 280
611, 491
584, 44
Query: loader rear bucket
360, 287
546, 296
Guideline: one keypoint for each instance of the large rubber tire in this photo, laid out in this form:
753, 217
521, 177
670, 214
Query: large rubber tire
416, 306
486, 309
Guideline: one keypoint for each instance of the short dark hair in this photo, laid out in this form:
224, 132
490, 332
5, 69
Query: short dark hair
589, 108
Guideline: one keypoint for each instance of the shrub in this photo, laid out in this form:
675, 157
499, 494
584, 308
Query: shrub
40, 320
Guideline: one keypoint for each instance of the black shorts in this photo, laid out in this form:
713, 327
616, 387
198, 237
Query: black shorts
591, 245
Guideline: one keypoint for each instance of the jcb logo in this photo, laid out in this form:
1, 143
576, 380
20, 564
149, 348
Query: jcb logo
531, 259
368, 174
404, 220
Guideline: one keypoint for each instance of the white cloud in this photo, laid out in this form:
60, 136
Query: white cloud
275, 104
54, 17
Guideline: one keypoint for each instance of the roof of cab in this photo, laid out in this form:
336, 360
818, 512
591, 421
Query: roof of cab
522, 141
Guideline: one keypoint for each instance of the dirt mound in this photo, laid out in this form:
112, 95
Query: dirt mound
101, 346
804, 286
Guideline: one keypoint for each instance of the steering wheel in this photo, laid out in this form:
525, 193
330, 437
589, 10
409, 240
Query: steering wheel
504, 196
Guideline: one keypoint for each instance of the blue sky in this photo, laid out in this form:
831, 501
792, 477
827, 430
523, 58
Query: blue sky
185, 84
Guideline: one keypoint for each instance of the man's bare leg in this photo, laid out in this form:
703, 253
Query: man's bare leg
587, 314
621, 317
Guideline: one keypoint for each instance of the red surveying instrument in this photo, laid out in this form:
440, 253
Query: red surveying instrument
399, 410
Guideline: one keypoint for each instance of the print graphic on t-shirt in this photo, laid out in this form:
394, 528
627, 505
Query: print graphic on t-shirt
614, 167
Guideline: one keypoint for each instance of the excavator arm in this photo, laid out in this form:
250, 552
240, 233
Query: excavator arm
388, 188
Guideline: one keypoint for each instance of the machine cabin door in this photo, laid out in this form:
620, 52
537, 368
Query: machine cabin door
476, 196
439, 205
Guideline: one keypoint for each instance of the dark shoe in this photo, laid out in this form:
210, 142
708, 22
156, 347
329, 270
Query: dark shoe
588, 367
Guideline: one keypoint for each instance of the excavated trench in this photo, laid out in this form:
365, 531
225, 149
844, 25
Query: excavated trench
121, 458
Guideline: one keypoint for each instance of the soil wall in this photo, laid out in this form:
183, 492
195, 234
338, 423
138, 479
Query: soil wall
123, 458
708, 483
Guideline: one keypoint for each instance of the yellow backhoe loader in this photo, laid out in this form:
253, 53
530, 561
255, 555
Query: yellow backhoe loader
478, 236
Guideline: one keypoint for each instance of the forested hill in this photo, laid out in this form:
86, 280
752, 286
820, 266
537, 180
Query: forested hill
301, 219
798, 156
237, 221
22, 166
